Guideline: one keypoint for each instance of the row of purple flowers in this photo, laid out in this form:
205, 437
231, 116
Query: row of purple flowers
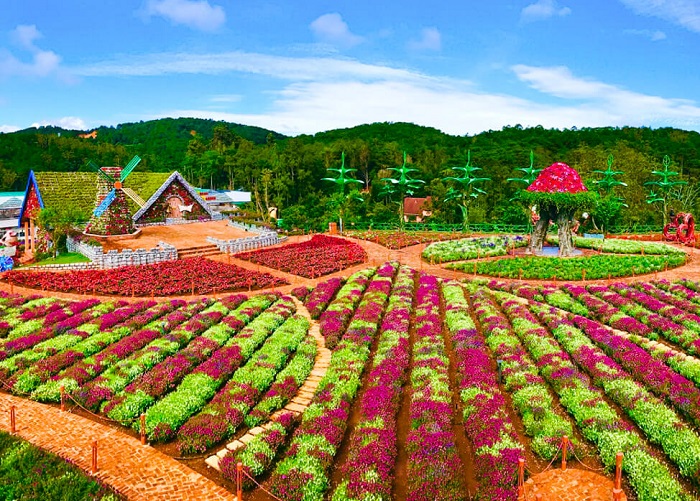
369, 468
303, 472
486, 422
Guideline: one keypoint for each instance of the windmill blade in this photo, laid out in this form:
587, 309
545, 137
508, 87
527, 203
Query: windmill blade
129, 167
134, 196
106, 202
99, 170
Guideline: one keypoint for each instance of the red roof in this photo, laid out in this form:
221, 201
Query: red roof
558, 178
415, 206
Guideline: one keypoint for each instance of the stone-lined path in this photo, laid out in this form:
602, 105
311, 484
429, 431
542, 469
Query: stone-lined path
303, 397
137, 471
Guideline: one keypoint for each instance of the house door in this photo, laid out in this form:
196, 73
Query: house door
174, 204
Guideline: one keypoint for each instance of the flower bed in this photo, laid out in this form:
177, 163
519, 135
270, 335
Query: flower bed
619, 246
369, 468
472, 248
434, 468
399, 239
227, 410
191, 275
317, 301
521, 376
486, 422
314, 258
660, 424
303, 472
572, 268
598, 421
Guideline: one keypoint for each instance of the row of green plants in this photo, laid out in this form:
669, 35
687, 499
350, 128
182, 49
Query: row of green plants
620, 246
553, 268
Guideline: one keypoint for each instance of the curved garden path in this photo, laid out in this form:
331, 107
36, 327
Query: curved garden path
137, 471
303, 397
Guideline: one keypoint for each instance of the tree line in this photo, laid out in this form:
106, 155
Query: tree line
288, 172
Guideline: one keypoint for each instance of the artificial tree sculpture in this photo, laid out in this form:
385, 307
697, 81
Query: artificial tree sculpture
558, 192
342, 180
609, 204
466, 191
665, 184
401, 185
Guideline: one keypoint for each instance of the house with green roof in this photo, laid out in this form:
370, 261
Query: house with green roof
80, 193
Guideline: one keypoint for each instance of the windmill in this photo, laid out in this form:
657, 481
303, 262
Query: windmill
118, 184
110, 216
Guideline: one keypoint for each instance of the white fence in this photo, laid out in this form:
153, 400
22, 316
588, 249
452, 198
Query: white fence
127, 257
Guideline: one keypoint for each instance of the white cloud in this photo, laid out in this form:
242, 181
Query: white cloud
430, 40
316, 94
6, 129
226, 98
543, 9
24, 36
653, 35
330, 28
197, 14
43, 62
73, 123
287, 68
622, 106
685, 13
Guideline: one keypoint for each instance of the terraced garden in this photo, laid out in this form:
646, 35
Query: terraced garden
413, 404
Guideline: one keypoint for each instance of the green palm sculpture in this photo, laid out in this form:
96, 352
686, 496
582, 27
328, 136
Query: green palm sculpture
466, 190
342, 180
402, 185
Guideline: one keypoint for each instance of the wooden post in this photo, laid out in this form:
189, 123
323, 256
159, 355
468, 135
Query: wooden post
564, 444
474, 268
583, 274
143, 429
617, 489
239, 481
228, 257
642, 250
520, 274
13, 422
63, 398
521, 477
93, 470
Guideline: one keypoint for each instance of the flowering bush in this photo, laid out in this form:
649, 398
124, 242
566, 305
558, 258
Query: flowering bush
314, 258
319, 298
190, 275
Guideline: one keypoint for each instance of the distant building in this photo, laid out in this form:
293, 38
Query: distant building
224, 200
416, 209
10, 205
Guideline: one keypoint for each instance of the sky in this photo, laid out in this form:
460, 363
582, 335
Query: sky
461, 66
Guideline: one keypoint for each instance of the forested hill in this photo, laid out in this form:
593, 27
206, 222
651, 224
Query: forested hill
162, 144
287, 172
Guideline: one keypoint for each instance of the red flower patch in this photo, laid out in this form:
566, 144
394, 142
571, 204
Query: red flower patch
183, 276
316, 257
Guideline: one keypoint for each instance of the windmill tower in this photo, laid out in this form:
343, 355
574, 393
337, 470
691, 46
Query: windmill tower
112, 215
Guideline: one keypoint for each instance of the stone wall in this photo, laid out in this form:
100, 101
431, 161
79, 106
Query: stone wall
127, 257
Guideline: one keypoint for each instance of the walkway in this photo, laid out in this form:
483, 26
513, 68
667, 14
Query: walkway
569, 485
137, 471
303, 397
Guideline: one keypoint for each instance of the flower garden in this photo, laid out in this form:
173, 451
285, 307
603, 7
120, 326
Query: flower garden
412, 399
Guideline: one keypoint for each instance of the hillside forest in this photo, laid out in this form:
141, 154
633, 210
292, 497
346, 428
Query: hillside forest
288, 172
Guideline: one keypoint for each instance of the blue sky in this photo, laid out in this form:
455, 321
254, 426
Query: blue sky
309, 66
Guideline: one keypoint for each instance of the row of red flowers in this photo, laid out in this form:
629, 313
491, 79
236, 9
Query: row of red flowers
318, 256
192, 275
